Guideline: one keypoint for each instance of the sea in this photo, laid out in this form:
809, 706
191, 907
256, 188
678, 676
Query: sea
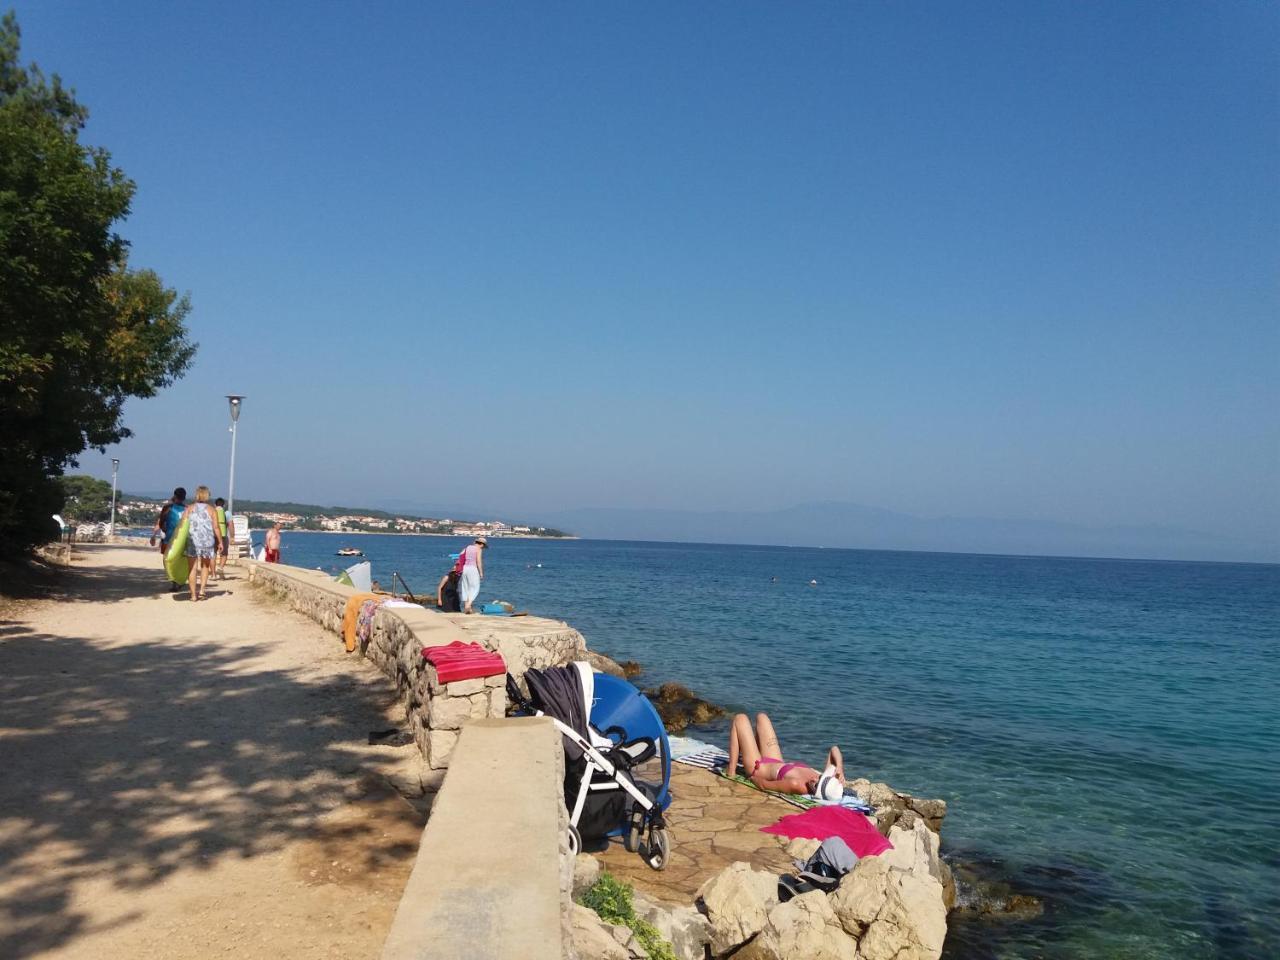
1106, 733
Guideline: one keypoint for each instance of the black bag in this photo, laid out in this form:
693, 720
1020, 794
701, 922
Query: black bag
452, 603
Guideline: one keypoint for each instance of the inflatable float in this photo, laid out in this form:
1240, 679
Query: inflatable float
176, 564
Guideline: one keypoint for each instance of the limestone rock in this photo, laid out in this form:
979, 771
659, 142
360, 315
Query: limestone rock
916, 849
464, 688
896, 914
802, 848
497, 706
586, 871
448, 713
861, 894
737, 902
932, 810
592, 937
804, 926
603, 664
684, 928
912, 924
888, 805
440, 744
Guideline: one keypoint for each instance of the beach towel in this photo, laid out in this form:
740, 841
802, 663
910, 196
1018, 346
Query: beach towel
349, 616
855, 829
463, 661
708, 758
364, 619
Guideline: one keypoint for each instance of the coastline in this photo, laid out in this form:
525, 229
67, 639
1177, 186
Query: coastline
400, 533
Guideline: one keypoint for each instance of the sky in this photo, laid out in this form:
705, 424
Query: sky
976, 260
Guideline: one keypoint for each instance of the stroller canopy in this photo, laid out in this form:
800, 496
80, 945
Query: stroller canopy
557, 692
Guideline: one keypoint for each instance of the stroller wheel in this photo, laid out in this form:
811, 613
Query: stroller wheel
575, 841
636, 831
657, 851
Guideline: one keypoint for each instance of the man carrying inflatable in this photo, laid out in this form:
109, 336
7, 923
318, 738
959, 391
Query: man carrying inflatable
167, 522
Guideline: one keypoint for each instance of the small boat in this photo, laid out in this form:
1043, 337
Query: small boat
350, 552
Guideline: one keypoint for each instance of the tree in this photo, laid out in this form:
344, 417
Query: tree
80, 332
86, 499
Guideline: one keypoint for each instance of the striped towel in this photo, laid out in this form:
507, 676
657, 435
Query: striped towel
711, 758
697, 753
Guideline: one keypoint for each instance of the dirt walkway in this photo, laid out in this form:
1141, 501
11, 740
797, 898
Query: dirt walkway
186, 780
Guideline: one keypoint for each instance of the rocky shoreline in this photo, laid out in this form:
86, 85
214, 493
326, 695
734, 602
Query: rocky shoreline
904, 905
890, 907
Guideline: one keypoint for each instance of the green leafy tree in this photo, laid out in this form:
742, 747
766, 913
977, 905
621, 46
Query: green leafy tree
86, 499
80, 332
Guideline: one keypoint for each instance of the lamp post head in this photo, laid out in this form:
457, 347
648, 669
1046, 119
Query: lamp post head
115, 463
235, 400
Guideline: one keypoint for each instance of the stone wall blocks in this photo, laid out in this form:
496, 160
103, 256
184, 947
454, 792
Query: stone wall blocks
464, 688
440, 744
498, 702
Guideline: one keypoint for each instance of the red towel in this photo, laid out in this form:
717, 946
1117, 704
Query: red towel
463, 661
855, 829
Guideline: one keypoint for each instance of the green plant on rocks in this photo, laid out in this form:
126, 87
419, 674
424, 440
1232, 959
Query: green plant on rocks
613, 902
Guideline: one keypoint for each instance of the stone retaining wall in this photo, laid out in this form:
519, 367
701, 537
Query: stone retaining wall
435, 713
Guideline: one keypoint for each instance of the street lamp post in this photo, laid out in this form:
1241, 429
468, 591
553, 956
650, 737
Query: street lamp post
115, 469
235, 401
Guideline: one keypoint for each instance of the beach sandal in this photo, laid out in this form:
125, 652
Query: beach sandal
790, 886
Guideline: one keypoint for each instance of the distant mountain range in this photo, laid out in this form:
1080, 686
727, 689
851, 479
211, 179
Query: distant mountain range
838, 524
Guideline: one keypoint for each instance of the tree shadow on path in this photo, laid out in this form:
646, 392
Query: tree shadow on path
127, 763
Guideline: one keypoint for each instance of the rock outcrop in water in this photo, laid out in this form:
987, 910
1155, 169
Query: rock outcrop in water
678, 706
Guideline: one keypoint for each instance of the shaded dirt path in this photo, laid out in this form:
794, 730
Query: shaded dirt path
186, 780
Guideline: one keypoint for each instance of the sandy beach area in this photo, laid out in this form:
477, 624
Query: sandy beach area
190, 780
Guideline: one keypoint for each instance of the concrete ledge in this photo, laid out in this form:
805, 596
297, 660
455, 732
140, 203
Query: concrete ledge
489, 879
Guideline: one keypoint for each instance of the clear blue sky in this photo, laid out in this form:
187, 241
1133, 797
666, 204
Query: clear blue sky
1007, 259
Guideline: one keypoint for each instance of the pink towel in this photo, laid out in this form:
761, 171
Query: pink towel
855, 829
462, 661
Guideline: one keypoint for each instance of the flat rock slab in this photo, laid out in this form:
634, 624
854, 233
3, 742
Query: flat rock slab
713, 822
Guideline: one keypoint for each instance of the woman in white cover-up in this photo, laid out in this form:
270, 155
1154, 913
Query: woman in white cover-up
472, 573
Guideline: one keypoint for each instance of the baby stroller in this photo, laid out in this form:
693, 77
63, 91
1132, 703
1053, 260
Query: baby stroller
610, 731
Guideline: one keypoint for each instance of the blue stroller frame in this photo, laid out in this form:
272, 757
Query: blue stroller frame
623, 732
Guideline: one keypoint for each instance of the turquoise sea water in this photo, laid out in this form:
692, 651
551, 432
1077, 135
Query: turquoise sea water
1105, 732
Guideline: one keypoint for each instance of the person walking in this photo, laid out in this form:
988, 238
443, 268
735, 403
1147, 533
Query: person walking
204, 542
472, 573
220, 514
167, 521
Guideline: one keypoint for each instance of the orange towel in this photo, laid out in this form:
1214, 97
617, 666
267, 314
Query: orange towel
349, 615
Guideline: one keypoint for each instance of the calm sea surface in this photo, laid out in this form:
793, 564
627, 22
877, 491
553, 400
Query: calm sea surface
1106, 732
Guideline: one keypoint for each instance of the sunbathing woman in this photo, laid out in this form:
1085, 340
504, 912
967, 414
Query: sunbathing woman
762, 761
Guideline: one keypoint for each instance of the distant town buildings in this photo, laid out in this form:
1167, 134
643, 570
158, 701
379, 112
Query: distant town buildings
139, 512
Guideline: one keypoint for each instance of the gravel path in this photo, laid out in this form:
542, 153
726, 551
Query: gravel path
185, 779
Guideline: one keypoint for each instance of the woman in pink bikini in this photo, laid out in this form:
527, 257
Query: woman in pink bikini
762, 761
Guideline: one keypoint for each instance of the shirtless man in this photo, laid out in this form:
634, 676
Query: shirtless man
273, 544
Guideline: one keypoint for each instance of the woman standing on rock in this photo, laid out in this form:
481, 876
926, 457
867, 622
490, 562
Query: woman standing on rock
762, 760
203, 541
472, 573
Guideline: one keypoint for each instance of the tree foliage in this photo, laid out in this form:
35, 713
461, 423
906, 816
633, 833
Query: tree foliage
85, 499
80, 331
